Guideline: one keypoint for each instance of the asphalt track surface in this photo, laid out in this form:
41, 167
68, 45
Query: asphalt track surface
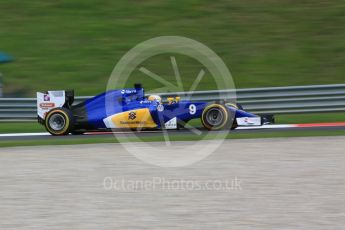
281, 183
170, 132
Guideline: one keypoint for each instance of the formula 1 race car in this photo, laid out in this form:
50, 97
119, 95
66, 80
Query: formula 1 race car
130, 109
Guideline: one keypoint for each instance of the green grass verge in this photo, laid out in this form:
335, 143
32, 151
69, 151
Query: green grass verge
21, 127
94, 140
310, 118
75, 44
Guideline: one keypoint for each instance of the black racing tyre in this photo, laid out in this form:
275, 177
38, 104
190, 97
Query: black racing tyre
59, 122
215, 117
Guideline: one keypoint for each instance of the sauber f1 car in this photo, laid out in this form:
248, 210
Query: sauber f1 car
131, 109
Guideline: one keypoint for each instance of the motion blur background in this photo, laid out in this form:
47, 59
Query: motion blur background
75, 44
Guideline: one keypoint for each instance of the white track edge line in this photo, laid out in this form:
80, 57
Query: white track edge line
238, 128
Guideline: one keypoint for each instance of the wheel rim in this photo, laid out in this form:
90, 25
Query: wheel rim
57, 122
215, 117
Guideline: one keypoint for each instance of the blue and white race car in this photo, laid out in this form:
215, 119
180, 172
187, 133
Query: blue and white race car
131, 109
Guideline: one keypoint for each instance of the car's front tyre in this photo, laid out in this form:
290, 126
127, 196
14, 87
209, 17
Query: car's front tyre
216, 117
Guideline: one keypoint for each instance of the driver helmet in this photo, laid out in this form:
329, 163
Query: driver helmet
154, 98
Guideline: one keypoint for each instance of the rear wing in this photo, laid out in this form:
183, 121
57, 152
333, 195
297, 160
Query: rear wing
53, 99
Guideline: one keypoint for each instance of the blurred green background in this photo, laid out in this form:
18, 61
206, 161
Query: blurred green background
76, 44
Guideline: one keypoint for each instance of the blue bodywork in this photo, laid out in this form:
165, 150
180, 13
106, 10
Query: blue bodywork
117, 101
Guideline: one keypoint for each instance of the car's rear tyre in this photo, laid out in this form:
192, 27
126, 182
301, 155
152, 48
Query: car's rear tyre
215, 117
59, 121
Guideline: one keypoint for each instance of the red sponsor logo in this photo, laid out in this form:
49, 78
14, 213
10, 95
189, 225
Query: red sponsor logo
47, 105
